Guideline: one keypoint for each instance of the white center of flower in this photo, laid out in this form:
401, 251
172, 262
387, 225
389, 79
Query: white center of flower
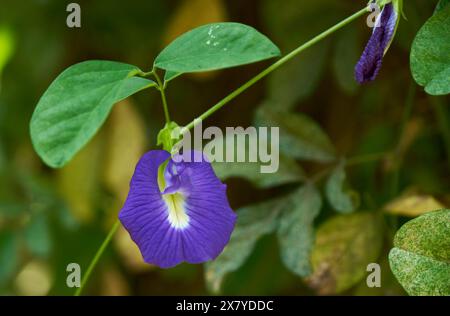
177, 216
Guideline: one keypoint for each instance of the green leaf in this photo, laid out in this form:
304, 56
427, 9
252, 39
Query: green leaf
215, 46
427, 235
76, 104
420, 259
253, 222
300, 136
169, 75
345, 245
288, 170
37, 235
420, 275
9, 255
430, 58
440, 83
296, 230
339, 196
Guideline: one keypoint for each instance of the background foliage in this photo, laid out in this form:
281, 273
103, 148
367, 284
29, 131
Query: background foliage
312, 228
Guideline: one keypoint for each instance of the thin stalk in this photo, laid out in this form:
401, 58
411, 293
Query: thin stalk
97, 256
161, 88
275, 66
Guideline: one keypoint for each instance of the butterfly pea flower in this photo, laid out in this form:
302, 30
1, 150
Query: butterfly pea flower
177, 209
371, 59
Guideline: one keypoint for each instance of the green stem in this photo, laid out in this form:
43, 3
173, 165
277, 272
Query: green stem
97, 257
275, 66
161, 88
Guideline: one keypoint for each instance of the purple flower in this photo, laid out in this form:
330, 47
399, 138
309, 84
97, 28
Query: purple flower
191, 220
369, 64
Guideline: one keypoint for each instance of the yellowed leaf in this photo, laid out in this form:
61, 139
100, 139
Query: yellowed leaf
413, 205
345, 245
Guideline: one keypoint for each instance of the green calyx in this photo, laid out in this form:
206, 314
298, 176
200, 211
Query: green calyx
168, 136
398, 5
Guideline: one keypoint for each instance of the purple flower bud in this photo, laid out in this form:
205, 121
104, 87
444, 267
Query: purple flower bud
369, 64
190, 220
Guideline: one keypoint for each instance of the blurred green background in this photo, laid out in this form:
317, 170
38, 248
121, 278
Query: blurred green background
50, 218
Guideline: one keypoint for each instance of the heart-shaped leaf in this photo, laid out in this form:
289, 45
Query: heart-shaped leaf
430, 57
77, 103
420, 259
215, 46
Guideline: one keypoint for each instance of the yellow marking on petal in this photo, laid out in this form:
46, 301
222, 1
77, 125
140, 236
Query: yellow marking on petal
176, 212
